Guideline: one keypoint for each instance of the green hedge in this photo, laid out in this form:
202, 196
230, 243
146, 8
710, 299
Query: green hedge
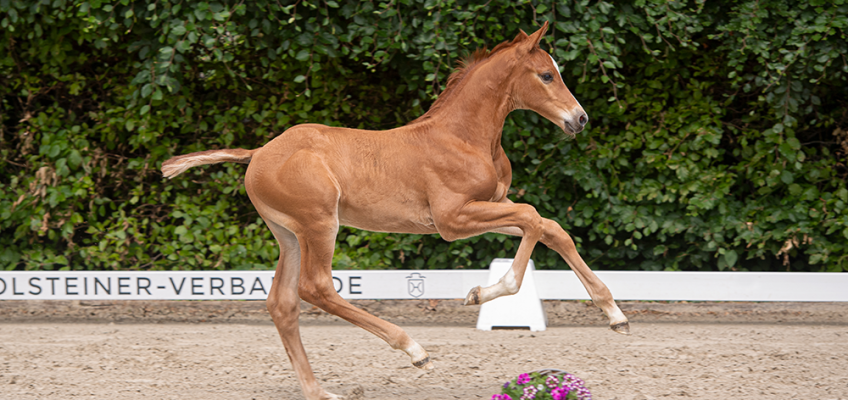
717, 137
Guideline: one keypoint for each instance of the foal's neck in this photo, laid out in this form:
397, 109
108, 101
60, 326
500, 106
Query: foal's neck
477, 110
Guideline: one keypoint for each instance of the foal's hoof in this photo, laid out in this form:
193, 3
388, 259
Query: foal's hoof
424, 364
621, 327
473, 297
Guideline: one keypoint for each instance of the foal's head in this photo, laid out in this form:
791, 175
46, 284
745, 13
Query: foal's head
537, 84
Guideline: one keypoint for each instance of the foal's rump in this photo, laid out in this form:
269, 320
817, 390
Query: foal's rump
177, 165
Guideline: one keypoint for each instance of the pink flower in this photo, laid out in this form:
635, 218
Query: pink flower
529, 393
560, 393
522, 379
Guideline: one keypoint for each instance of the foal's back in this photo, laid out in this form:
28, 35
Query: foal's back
374, 180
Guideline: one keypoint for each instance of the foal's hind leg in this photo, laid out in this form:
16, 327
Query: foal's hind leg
304, 189
284, 307
316, 287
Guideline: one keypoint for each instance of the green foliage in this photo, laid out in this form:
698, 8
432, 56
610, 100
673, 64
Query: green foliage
717, 137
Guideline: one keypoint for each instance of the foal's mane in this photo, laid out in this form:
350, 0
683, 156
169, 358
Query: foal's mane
463, 68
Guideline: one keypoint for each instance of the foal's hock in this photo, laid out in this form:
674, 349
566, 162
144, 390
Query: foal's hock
444, 172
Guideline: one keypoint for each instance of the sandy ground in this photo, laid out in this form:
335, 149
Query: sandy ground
673, 353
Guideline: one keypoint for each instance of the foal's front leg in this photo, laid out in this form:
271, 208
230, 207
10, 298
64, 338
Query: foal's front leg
558, 240
479, 217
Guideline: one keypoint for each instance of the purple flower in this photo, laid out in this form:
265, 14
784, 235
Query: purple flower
522, 379
506, 384
552, 382
560, 393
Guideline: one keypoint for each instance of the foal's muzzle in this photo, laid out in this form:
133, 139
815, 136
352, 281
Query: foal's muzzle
575, 125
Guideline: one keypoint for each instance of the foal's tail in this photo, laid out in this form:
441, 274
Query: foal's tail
179, 164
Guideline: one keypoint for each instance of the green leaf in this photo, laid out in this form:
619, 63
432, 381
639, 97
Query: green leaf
74, 158
730, 257
794, 143
302, 55
787, 177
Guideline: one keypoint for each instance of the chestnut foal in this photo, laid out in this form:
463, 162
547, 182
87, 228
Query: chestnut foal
445, 173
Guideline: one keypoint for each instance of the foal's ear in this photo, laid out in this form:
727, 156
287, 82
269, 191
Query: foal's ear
537, 36
520, 37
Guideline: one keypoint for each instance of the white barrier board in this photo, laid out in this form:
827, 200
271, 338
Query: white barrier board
701, 286
227, 285
422, 284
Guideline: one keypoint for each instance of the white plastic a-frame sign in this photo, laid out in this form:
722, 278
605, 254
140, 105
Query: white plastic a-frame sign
521, 310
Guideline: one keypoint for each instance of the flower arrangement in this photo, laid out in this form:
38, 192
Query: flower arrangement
547, 384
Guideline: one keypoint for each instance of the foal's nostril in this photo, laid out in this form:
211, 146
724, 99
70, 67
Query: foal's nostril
583, 119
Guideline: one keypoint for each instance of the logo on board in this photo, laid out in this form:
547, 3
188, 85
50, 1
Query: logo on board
415, 284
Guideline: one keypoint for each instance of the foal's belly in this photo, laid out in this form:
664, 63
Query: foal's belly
383, 216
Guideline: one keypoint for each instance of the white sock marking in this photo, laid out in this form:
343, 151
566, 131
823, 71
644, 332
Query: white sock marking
506, 286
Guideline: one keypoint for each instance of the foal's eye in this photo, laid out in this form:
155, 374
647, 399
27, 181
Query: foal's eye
547, 77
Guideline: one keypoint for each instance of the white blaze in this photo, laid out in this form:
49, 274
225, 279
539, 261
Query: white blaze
557, 68
555, 63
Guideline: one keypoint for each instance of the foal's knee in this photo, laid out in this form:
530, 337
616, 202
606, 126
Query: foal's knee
534, 223
555, 237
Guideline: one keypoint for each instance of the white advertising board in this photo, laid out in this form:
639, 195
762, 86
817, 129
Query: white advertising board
227, 285
422, 284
